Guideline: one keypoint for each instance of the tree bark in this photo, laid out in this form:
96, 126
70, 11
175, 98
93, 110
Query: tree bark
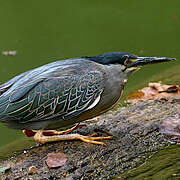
137, 135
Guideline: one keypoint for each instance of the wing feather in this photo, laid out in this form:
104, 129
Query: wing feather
56, 97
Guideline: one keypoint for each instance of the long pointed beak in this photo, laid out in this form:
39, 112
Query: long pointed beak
141, 61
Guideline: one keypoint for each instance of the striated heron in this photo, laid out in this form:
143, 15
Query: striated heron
66, 92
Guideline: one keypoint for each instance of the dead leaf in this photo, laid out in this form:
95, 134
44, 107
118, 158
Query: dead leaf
56, 159
171, 129
154, 91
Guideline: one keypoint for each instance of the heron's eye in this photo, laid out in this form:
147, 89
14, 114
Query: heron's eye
127, 62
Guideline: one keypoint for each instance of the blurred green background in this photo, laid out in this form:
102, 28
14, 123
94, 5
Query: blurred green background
45, 31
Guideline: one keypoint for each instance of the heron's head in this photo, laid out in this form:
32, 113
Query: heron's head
129, 61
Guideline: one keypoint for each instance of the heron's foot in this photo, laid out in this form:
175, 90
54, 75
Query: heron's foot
41, 138
30, 133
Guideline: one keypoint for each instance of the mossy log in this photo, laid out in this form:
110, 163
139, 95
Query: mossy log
136, 137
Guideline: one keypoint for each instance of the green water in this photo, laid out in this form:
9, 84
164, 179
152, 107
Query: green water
44, 31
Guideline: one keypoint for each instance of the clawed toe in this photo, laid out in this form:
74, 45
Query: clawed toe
41, 138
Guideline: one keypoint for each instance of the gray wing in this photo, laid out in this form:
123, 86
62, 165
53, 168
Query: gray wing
57, 96
4, 87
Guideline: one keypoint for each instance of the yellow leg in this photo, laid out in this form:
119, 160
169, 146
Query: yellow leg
39, 137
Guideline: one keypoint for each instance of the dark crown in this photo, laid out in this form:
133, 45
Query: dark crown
112, 57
